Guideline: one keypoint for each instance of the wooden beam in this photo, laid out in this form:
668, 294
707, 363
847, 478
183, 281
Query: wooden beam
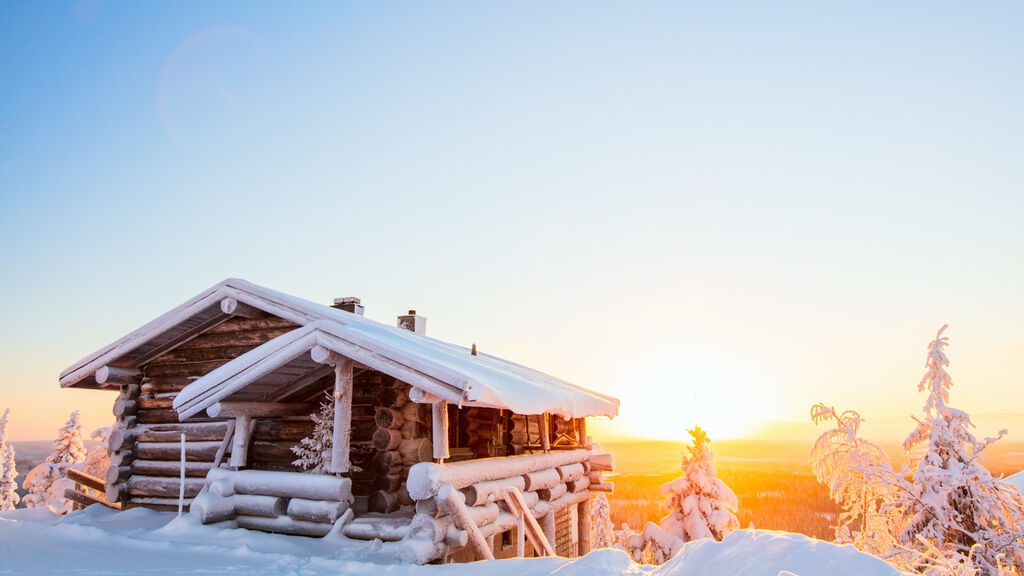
240, 444
342, 437
233, 307
439, 429
114, 376
301, 382
545, 434
257, 409
196, 330
421, 396
583, 528
79, 477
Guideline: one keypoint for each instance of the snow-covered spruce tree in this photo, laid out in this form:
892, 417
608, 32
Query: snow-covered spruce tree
859, 479
601, 527
8, 487
953, 501
314, 451
702, 506
47, 482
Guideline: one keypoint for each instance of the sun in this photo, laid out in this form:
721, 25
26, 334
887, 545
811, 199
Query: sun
670, 394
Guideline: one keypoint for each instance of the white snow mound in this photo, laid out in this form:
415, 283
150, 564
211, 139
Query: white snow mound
101, 541
1017, 480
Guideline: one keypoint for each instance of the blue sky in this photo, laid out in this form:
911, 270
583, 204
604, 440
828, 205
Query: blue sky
694, 202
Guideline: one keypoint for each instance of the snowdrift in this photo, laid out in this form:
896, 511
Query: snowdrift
138, 541
1017, 480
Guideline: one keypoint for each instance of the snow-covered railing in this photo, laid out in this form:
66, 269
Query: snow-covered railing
464, 502
283, 502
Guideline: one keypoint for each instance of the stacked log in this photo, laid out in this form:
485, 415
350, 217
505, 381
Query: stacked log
121, 443
482, 426
145, 446
548, 482
399, 441
280, 502
600, 463
519, 439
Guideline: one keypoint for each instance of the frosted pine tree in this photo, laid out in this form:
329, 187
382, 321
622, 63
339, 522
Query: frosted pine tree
859, 478
601, 528
314, 451
953, 502
702, 505
8, 487
47, 482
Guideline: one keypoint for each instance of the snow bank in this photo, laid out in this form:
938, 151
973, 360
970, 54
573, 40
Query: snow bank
139, 541
1017, 480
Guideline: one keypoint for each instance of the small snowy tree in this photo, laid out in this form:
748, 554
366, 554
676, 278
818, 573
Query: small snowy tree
8, 472
601, 527
47, 482
953, 501
314, 451
97, 459
702, 506
859, 478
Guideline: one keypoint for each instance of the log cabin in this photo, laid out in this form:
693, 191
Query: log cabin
454, 454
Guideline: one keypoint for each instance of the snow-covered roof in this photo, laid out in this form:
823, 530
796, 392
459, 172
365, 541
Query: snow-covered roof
443, 369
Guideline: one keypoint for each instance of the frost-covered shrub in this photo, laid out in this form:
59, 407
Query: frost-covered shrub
859, 479
314, 451
944, 514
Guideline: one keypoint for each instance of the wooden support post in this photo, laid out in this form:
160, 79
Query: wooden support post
240, 445
521, 536
547, 525
581, 433
228, 433
545, 433
439, 420
342, 416
583, 528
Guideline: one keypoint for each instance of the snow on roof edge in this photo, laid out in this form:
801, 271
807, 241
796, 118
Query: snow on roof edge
487, 380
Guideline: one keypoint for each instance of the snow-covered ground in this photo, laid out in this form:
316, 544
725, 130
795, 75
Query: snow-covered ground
1017, 479
102, 541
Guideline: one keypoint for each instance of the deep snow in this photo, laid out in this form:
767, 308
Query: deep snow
101, 541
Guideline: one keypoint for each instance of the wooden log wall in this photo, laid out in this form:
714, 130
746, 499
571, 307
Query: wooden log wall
386, 450
145, 447
485, 432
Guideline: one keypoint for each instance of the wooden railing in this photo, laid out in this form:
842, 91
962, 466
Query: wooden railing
465, 503
79, 496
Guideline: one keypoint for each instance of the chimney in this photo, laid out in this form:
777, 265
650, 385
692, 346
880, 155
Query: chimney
413, 322
348, 304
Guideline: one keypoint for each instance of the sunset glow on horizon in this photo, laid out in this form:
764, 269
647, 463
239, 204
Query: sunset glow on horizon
719, 216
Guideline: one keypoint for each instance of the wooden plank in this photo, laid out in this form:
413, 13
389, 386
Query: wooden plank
85, 500
517, 504
86, 480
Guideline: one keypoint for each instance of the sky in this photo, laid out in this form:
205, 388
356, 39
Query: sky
721, 213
